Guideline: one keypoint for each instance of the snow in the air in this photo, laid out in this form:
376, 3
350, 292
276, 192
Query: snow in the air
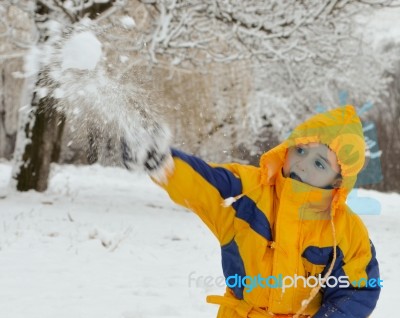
31, 62
82, 51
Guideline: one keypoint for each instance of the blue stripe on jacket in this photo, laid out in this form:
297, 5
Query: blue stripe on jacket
247, 210
221, 179
344, 302
229, 186
232, 264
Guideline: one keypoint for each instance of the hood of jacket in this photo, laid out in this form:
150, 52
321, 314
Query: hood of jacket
340, 129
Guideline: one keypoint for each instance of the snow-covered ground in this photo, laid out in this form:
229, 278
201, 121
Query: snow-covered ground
104, 243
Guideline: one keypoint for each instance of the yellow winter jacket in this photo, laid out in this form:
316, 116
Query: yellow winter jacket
279, 227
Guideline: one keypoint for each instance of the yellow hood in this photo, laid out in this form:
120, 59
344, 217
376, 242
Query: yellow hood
341, 130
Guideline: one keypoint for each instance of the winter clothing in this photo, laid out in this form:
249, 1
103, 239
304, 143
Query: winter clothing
280, 226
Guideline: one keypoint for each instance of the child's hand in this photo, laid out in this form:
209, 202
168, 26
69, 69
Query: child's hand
154, 160
146, 149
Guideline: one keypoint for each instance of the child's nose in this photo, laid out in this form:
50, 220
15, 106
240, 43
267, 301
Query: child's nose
301, 166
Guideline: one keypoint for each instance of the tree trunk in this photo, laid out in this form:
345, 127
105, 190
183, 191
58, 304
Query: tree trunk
44, 147
44, 136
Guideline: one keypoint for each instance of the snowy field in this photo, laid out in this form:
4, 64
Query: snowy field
105, 243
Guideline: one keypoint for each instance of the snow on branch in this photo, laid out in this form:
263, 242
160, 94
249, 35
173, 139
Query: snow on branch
227, 30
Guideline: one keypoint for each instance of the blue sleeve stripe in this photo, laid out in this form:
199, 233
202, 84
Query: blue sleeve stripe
248, 211
232, 264
221, 179
228, 186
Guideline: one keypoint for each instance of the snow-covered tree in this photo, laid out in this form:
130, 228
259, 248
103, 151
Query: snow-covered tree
17, 33
299, 54
263, 65
40, 125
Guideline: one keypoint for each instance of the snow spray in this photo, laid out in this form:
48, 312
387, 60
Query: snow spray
72, 64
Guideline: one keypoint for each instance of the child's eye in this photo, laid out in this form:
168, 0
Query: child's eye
300, 150
319, 165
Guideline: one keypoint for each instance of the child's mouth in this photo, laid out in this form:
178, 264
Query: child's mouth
293, 175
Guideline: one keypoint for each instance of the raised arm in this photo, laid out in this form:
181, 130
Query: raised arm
202, 187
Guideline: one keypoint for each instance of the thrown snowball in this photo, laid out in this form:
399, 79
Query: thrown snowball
82, 51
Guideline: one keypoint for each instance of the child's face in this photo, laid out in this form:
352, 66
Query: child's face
314, 164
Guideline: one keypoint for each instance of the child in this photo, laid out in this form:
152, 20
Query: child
286, 219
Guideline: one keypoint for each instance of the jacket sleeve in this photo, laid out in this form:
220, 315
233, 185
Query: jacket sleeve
360, 295
201, 187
